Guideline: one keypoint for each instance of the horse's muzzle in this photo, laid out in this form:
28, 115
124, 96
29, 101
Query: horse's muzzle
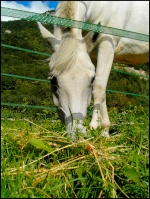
70, 118
74, 122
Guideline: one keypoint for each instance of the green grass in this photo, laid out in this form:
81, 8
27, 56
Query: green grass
39, 161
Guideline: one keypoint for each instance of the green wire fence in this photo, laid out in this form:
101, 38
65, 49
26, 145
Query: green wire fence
45, 54
43, 80
24, 49
28, 106
31, 16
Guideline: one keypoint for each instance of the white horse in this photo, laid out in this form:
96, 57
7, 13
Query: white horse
78, 59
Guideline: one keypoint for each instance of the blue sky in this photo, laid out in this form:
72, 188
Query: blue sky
51, 4
31, 6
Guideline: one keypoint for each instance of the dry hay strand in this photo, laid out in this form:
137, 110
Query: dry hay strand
102, 154
41, 173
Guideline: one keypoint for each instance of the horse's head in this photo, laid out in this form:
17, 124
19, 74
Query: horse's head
71, 74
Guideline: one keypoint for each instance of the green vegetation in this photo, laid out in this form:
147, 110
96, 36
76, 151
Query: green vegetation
38, 160
25, 34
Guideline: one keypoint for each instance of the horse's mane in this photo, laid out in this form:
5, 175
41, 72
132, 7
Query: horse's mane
64, 58
66, 9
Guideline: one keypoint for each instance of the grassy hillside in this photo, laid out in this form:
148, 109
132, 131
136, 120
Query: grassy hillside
25, 34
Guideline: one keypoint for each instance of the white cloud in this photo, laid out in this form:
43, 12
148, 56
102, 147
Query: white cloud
35, 6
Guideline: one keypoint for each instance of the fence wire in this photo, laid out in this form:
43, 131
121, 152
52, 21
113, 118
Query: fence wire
46, 54
31, 16
43, 80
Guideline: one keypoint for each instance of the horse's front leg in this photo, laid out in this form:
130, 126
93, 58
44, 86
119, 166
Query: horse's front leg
104, 62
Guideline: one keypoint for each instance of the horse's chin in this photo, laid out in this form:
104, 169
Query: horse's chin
75, 129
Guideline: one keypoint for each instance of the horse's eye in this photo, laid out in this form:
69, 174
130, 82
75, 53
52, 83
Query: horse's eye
54, 81
54, 84
92, 80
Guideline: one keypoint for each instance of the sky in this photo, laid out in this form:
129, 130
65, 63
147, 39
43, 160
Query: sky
31, 6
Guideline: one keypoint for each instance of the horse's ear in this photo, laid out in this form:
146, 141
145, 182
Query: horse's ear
90, 39
49, 37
